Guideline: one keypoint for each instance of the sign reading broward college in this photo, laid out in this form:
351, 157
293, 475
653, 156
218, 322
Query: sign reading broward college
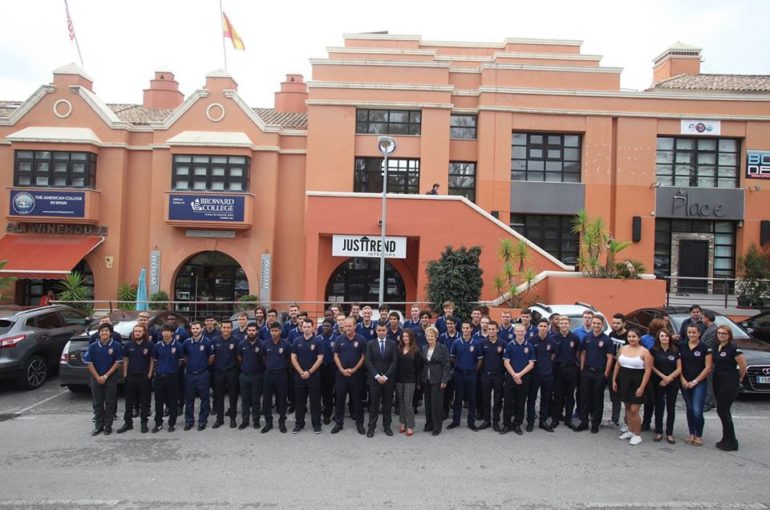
365, 246
206, 208
60, 204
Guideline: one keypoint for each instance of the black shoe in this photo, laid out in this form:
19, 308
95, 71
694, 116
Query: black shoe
267, 428
256, 424
388, 431
645, 427
473, 427
282, 426
554, 424
290, 410
530, 426
316, 430
228, 412
505, 429
233, 424
136, 413
144, 428
496, 427
180, 410
570, 424
97, 431
427, 428
157, 428
201, 426
360, 429
218, 424
370, 433
297, 428
594, 429
452, 425
396, 411
484, 426
107, 431
171, 428
188, 426
580, 428
435, 433
243, 425
126, 427
336, 428
544, 426
166, 411
517, 430
327, 420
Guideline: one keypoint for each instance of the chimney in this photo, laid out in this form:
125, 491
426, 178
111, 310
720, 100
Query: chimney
680, 58
220, 80
163, 91
293, 95
72, 74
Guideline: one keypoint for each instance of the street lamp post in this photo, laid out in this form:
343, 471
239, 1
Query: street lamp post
387, 146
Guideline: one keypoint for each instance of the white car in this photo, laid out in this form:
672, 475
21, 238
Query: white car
574, 312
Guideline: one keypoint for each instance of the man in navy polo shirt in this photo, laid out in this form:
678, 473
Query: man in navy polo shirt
349, 356
542, 376
137, 374
276, 353
447, 338
505, 330
394, 329
596, 358
198, 355
466, 354
239, 332
167, 355
103, 359
449, 311
251, 378
307, 356
328, 369
413, 322
475, 323
566, 368
519, 361
264, 331
491, 378
95, 336
530, 330
225, 374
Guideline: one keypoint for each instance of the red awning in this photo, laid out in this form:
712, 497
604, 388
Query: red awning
35, 256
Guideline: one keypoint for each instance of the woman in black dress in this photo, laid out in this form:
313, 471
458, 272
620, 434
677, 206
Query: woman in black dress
631, 381
408, 372
729, 370
666, 369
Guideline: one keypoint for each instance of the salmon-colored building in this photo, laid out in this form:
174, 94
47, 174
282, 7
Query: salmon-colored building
218, 199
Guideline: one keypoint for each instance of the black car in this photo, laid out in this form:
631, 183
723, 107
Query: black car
758, 326
757, 353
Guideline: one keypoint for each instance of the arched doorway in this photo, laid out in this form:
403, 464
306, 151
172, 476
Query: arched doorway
30, 290
209, 276
358, 279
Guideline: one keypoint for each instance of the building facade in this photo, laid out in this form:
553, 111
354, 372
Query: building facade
218, 199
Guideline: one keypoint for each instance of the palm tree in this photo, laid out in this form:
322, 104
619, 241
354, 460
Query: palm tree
613, 248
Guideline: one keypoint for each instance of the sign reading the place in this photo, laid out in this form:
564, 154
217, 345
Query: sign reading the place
758, 164
368, 246
701, 127
60, 204
225, 208
699, 203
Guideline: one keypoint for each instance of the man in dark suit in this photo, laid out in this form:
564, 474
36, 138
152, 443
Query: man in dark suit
381, 356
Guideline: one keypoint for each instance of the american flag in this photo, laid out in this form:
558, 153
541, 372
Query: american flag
70, 26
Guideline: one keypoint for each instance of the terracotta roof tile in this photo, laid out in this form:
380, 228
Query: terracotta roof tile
289, 120
724, 82
8, 107
138, 114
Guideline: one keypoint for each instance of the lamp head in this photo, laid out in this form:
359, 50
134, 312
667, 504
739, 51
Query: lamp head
386, 145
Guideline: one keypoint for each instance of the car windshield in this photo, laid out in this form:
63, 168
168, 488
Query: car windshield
721, 320
5, 326
576, 322
124, 328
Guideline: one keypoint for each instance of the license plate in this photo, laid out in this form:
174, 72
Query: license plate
763, 379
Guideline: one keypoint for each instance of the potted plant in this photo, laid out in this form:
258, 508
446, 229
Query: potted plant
753, 286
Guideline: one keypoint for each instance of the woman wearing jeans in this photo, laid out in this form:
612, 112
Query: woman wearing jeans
666, 369
729, 370
697, 364
408, 371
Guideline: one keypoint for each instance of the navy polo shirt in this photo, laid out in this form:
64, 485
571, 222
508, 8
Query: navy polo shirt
239, 335
307, 351
493, 355
212, 335
138, 356
440, 324
415, 325
530, 333
466, 354
394, 335
276, 354
224, 353
506, 334
197, 354
693, 360
447, 339
367, 332
328, 346
519, 354
180, 335
664, 361
725, 365
167, 356
478, 336
350, 351
288, 326
103, 356
474, 329
581, 333
567, 348
419, 335
597, 348
264, 333
251, 357
545, 348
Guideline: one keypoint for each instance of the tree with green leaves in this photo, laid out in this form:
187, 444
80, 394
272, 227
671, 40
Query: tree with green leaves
73, 292
456, 277
5, 281
126, 296
514, 273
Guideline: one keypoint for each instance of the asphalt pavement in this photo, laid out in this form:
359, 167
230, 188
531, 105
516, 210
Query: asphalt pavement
50, 461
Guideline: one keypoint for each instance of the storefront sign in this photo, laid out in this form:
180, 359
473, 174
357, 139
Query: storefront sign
154, 271
701, 127
266, 278
206, 208
758, 164
57, 229
699, 203
63, 204
211, 234
365, 246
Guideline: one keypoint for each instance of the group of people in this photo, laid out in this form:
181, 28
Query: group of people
508, 375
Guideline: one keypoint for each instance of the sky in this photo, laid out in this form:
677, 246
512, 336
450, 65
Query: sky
124, 41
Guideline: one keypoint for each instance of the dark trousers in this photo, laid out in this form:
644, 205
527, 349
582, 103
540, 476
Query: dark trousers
251, 395
491, 384
276, 383
182, 393
564, 392
591, 396
665, 400
381, 398
544, 385
225, 381
353, 387
328, 375
166, 387
304, 388
196, 386
449, 393
138, 392
434, 405
615, 403
514, 400
726, 391
290, 387
105, 401
465, 389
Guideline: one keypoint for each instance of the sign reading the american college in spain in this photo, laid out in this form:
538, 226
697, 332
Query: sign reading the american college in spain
206, 208
60, 204
365, 246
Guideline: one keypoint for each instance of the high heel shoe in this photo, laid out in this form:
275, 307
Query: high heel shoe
401, 429
409, 432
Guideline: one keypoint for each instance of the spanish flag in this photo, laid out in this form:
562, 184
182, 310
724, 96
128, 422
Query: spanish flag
229, 31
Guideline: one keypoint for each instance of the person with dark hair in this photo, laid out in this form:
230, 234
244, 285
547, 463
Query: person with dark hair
413, 322
491, 378
696, 319
381, 359
656, 324
225, 374
619, 336
709, 337
260, 315
408, 373
449, 311
530, 330
596, 358
566, 364
264, 331
436, 374
198, 355
394, 329
433, 190
448, 337
307, 356
251, 378
729, 371
168, 355
466, 354
518, 361
328, 369
697, 363
630, 381
276, 353
542, 377
138, 366
666, 369
103, 359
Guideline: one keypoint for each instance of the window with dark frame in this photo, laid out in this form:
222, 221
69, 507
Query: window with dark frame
697, 162
388, 122
724, 244
403, 175
545, 157
553, 233
210, 173
462, 179
55, 169
462, 126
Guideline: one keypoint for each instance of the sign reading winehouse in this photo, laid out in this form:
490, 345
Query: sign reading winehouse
368, 246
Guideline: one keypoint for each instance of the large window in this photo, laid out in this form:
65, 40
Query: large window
697, 162
545, 157
210, 173
551, 232
462, 126
388, 122
724, 243
462, 179
58, 169
403, 175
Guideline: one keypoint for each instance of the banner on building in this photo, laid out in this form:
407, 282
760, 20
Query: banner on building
758, 164
59, 204
701, 127
154, 271
368, 246
225, 208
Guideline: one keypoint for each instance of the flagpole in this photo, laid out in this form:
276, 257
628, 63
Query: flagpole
75, 35
221, 31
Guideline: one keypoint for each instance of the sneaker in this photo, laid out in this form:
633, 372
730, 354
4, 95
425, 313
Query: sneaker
626, 435
623, 429
635, 440
609, 424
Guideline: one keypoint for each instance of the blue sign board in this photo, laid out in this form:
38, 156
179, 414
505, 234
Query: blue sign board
228, 208
758, 164
60, 204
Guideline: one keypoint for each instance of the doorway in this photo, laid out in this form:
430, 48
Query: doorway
694, 263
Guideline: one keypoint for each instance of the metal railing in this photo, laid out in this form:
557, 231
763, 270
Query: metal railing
713, 292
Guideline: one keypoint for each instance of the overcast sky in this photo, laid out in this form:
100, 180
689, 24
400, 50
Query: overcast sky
124, 41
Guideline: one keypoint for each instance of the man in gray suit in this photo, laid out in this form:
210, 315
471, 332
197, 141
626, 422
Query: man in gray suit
381, 357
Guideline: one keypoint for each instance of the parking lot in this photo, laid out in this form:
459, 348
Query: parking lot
50, 461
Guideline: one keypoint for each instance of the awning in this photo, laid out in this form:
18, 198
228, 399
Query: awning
36, 256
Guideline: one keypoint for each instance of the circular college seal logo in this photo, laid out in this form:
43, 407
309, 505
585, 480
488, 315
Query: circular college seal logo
23, 203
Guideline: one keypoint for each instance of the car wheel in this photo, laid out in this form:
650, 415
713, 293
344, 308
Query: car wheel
34, 373
78, 388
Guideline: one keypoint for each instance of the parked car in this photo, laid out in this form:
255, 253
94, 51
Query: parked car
574, 312
31, 341
758, 326
757, 353
73, 372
